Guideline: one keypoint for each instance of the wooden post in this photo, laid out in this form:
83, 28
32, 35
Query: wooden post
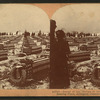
52, 58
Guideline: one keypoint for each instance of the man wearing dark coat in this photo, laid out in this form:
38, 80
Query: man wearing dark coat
59, 75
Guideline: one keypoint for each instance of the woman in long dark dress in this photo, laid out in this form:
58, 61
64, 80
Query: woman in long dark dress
61, 66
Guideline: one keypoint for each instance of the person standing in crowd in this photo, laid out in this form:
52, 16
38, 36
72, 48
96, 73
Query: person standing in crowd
59, 51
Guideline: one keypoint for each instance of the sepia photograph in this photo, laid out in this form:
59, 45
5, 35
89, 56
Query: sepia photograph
24, 47
50, 47
75, 37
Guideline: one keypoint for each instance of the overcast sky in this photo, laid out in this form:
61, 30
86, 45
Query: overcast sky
15, 17
78, 17
73, 17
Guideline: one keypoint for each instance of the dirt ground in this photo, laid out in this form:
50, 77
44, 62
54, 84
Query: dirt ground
81, 81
